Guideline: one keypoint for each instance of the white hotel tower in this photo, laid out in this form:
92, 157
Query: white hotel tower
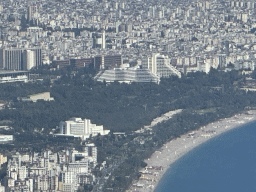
160, 65
81, 128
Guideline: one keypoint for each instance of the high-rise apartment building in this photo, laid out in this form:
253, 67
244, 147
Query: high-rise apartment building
30, 58
36, 57
20, 59
32, 10
99, 40
11, 59
22, 173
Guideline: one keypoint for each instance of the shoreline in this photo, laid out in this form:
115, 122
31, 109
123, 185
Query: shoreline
161, 160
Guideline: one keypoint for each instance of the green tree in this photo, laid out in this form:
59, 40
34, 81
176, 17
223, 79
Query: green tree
23, 23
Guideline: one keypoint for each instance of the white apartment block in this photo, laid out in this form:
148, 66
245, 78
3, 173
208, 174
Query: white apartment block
23, 173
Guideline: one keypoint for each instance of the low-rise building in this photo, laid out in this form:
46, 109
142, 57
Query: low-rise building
6, 139
13, 76
127, 75
39, 96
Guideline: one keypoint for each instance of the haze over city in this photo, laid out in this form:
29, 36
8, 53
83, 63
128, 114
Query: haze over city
101, 95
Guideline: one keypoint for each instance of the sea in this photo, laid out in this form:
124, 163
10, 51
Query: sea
226, 163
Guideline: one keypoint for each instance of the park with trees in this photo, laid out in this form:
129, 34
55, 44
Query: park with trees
120, 107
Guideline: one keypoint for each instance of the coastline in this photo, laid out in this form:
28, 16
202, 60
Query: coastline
161, 160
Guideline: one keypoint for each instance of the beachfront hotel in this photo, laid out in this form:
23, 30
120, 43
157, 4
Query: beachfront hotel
81, 128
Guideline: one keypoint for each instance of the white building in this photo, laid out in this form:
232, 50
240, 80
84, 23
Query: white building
30, 184
23, 173
46, 173
6, 138
160, 65
30, 59
39, 96
3, 159
99, 40
88, 155
68, 180
78, 167
13, 76
20, 59
128, 75
2, 188
81, 128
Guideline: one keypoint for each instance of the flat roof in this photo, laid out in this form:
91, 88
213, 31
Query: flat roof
3, 72
39, 93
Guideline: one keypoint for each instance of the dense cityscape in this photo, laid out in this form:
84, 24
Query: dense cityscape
48, 46
193, 36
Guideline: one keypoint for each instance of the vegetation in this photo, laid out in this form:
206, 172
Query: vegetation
3, 169
121, 108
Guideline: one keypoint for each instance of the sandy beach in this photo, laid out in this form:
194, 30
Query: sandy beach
161, 160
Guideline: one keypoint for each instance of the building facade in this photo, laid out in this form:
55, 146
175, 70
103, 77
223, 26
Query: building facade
3, 159
11, 59
47, 171
32, 10
81, 128
99, 40
107, 61
128, 75
20, 59
79, 63
13, 76
159, 65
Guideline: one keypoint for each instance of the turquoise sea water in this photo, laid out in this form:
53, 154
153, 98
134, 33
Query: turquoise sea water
226, 163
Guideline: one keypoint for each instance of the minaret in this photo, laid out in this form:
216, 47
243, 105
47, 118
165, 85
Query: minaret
103, 44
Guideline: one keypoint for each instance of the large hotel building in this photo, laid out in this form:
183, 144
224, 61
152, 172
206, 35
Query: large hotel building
81, 128
20, 59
